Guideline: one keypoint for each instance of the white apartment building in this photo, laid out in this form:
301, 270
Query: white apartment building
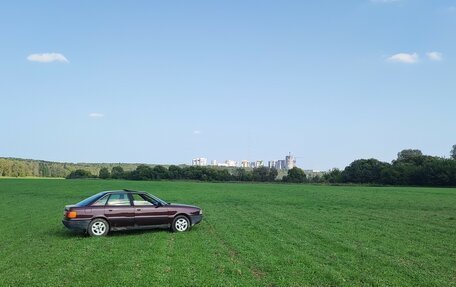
199, 161
231, 163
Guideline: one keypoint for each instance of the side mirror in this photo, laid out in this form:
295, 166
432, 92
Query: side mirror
158, 204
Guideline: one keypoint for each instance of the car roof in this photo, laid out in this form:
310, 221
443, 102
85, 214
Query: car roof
123, 191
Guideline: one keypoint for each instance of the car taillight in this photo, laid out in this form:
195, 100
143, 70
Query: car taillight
72, 214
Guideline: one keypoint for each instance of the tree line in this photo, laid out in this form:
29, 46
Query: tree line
17, 167
411, 167
173, 172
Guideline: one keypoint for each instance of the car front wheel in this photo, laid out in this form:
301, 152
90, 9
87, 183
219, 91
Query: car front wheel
181, 223
98, 227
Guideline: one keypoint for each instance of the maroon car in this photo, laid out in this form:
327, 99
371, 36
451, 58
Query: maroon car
128, 209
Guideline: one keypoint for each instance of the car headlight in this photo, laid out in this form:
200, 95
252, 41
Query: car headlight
201, 212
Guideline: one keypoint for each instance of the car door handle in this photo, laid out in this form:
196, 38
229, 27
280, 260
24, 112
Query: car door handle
110, 209
138, 209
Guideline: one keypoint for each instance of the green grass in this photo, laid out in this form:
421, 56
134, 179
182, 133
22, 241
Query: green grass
252, 235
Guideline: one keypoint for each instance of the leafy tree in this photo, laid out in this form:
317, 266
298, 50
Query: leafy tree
160, 172
333, 176
223, 175
142, 172
295, 175
175, 172
409, 155
316, 179
79, 173
117, 172
260, 173
241, 174
364, 171
104, 173
453, 152
273, 173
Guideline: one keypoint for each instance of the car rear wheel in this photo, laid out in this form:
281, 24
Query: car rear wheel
181, 223
98, 227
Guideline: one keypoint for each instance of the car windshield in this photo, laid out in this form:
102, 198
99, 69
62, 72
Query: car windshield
90, 199
154, 198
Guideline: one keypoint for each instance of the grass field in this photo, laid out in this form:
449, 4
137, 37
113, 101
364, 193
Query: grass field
252, 235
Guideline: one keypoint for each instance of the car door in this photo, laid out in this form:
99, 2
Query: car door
148, 212
119, 211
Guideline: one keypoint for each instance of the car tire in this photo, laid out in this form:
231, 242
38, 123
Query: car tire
181, 223
98, 227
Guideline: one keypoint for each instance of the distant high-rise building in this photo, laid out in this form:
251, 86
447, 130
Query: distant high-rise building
259, 163
199, 161
245, 163
280, 164
290, 161
272, 164
214, 162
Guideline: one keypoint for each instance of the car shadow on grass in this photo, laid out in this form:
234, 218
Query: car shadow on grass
137, 232
68, 234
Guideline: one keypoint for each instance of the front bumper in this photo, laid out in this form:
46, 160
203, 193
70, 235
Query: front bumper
76, 224
196, 218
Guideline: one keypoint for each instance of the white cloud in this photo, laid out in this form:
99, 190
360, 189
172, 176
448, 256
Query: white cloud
435, 56
47, 58
196, 132
404, 58
96, 115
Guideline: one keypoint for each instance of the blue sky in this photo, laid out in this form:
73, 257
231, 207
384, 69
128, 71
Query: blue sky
167, 81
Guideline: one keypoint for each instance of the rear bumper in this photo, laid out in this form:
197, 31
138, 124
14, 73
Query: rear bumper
196, 218
76, 224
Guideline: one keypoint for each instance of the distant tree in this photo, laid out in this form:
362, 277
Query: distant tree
43, 169
117, 172
143, 172
104, 173
261, 174
295, 175
223, 175
241, 174
453, 152
272, 174
409, 155
79, 173
391, 175
437, 171
364, 171
175, 172
316, 179
160, 172
333, 176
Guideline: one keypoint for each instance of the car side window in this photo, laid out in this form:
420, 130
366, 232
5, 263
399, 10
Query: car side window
118, 199
101, 201
139, 200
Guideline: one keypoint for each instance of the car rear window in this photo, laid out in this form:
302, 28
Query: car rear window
101, 201
89, 200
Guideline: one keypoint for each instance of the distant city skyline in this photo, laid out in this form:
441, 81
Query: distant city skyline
288, 162
163, 82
